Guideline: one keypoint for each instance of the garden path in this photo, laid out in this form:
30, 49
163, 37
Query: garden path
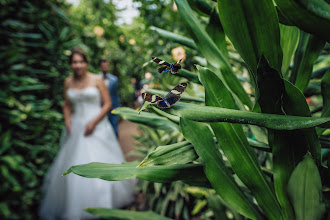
126, 141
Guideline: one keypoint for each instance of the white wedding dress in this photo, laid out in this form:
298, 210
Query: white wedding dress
66, 197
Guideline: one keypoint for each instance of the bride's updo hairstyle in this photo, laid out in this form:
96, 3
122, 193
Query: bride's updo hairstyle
80, 52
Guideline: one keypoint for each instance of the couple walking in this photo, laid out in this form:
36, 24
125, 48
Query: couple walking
88, 137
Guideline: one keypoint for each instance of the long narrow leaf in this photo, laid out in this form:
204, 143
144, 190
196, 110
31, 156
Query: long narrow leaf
175, 37
145, 118
211, 52
253, 28
179, 153
311, 16
215, 31
234, 144
278, 96
191, 173
216, 171
289, 43
215, 114
313, 50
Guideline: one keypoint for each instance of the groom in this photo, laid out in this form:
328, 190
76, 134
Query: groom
112, 82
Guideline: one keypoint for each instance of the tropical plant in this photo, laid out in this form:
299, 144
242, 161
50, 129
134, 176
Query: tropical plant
292, 180
33, 67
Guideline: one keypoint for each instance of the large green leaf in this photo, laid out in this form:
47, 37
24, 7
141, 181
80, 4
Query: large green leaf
215, 114
278, 96
211, 52
289, 43
234, 144
311, 16
191, 173
118, 214
175, 37
216, 171
305, 190
253, 28
145, 118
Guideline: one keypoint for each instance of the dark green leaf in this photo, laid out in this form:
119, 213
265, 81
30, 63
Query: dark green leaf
215, 31
311, 16
305, 69
252, 35
216, 171
215, 114
235, 146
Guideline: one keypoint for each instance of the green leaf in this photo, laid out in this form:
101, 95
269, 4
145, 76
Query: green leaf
235, 146
216, 205
145, 118
188, 75
289, 43
201, 6
215, 114
313, 49
216, 171
118, 214
190, 173
278, 96
325, 88
305, 190
252, 35
215, 31
310, 16
211, 52
178, 153
175, 37
298, 56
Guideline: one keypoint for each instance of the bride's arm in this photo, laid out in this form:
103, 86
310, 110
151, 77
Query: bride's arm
105, 96
67, 108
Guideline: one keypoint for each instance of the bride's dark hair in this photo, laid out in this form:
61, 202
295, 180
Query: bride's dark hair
80, 52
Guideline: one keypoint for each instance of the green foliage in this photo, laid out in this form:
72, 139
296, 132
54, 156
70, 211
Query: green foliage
230, 164
33, 67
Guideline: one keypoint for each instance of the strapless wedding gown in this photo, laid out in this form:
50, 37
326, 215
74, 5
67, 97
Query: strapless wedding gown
66, 197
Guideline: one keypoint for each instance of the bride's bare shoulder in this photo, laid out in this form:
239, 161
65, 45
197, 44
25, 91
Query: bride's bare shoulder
67, 81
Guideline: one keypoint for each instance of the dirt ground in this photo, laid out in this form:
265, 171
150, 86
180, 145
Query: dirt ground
126, 141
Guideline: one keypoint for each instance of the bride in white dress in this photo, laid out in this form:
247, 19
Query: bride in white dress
88, 137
